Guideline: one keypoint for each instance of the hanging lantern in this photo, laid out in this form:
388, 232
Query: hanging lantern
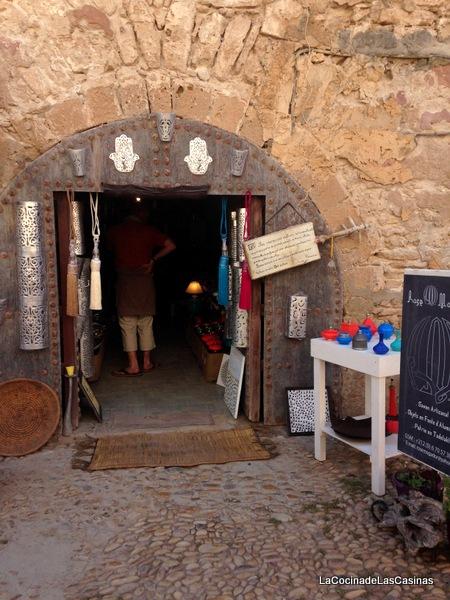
296, 316
427, 350
77, 208
31, 277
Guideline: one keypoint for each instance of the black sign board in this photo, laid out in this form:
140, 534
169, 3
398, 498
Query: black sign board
424, 404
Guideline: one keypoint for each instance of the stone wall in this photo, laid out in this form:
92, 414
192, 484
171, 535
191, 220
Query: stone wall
352, 96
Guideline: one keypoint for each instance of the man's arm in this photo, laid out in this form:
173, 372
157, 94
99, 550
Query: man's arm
167, 247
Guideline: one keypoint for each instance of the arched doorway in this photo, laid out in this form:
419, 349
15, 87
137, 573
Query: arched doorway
274, 361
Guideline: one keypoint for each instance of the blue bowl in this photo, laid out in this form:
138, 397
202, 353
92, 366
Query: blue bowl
344, 339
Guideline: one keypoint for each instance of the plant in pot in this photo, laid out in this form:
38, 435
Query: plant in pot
426, 481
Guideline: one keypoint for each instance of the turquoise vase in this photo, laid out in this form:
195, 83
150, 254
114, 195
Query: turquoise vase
381, 347
396, 345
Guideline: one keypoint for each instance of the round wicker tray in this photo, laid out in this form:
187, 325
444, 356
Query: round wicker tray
29, 415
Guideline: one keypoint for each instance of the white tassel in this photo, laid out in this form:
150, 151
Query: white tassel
96, 285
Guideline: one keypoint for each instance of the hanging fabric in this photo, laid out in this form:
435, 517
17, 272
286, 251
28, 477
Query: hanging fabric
245, 298
224, 261
96, 285
72, 266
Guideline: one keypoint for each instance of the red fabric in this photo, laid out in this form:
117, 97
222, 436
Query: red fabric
134, 243
245, 298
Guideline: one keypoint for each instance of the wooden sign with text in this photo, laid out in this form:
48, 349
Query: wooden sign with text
284, 249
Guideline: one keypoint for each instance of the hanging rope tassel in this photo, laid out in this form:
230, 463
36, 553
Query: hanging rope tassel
72, 307
245, 298
96, 284
224, 261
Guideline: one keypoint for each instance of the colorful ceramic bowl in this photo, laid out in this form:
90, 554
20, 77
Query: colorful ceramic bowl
344, 338
329, 334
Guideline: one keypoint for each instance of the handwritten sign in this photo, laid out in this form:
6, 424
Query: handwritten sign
424, 403
281, 250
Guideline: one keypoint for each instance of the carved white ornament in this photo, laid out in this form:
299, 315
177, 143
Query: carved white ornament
124, 157
198, 158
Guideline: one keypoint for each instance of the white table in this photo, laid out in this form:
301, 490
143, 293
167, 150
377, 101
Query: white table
375, 368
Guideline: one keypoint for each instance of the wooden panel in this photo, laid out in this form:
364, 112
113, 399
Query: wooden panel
252, 402
287, 362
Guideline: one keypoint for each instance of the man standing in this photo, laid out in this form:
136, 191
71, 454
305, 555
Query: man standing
137, 246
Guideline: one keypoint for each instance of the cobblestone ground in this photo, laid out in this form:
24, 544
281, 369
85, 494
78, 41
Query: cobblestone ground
262, 530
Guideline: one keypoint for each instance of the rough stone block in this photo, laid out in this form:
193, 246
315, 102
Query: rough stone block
159, 92
147, 34
190, 100
126, 42
67, 117
101, 105
177, 34
283, 19
364, 280
209, 36
251, 128
227, 112
378, 155
232, 45
133, 99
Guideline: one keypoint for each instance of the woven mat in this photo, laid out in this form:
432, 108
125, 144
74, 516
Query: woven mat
177, 449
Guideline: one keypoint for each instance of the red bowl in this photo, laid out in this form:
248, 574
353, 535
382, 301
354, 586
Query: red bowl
329, 334
351, 328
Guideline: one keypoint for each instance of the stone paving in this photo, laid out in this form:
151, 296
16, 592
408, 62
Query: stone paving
245, 531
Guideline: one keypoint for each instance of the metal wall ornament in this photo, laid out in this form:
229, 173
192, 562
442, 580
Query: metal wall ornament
238, 160
165, 123
85, 330
78, 159
198, 159
31, 275
240, 234
240, 317
124, 157
296, 316
77, 209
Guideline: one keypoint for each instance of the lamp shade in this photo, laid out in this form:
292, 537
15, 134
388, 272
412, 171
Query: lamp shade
194, 288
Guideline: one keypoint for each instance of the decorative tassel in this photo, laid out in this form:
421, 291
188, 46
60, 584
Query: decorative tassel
224, 261
245, 298
96, 285
223, 281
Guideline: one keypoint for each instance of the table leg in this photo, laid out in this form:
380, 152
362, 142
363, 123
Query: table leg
320, 445
378, 400
367, 403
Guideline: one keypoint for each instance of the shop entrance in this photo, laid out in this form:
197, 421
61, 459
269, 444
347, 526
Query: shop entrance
192, 331
198, 159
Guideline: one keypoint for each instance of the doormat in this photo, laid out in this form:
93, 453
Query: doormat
175, 449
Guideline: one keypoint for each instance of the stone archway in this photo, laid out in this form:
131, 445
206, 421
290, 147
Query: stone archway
161, 165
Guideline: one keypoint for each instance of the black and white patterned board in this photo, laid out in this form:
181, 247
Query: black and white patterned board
233, 385
222, 376
301, 410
